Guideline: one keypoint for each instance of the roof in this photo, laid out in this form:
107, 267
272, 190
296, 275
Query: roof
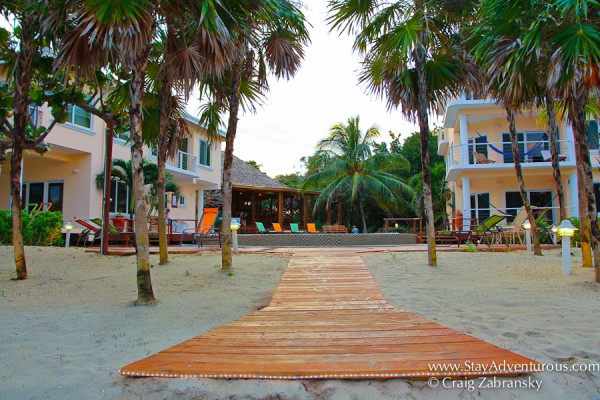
245, 175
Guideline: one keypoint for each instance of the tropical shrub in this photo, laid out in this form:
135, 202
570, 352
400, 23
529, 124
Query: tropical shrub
39, 228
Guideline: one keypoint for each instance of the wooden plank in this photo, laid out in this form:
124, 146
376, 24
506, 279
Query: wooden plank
327, 318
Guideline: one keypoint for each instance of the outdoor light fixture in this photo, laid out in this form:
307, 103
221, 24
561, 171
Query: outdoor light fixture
565, 230
527, 226
68, 226
235, 225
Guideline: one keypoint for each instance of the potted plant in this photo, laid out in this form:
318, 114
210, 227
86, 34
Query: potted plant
119, 221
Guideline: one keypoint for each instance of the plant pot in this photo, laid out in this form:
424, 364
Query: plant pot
119, 222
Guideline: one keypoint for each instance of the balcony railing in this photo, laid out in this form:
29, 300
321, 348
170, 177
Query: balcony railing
531, 152
186, 161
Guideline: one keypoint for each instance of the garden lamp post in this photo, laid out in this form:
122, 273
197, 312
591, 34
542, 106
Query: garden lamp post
234, 237
68, 227
527, 227
565, 230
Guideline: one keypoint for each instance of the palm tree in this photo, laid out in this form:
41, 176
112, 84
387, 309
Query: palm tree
511, 77
411, 57
350, 165
121, 35
268, 37
571, 29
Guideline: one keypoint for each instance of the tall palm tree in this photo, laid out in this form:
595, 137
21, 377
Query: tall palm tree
121, 35
268, 37
411, 57
571, 29
511, 77
349, 165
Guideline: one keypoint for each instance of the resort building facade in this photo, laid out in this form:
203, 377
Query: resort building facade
479, 163
66, 175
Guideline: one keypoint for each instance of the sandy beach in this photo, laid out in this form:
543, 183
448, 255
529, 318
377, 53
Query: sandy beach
66, 331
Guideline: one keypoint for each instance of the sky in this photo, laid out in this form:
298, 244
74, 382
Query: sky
298, 113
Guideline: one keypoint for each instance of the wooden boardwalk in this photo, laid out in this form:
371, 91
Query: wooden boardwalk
328, 320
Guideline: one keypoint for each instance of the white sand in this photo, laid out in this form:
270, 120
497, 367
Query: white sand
66, 331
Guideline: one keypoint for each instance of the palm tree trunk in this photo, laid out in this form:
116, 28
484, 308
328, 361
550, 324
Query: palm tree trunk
587, 186
362, 214
234, 106
554, 150
163, 137
142, 243
109, 134
510, 116
584, 223
21, 111
420, 54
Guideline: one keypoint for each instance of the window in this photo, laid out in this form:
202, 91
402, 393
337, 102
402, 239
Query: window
205, 153
480, 206
77, 116
182, 201
34, 114
537, 199
119, 197
531, 143
592, 128
42, 192
597, 193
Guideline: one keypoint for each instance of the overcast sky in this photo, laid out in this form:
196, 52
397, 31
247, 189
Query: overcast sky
299, 112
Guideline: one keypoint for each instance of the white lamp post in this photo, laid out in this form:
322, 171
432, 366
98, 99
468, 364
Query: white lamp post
527, 227
234, 230
68, 227
565, 230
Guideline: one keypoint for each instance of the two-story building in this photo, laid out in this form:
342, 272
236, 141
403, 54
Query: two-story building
65, 176
479, 162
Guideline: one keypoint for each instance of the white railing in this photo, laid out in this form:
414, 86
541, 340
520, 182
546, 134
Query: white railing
186, 161
462, 154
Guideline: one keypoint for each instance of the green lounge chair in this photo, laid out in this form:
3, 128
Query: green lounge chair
488, 230
294, 228
261, 228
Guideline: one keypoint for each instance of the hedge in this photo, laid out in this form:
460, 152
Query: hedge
41, 228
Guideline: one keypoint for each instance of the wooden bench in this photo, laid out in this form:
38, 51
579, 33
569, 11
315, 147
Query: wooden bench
334, 229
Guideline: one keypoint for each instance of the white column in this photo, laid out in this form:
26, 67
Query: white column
574, 195
464, 140
570, 151
200, 202
466, 198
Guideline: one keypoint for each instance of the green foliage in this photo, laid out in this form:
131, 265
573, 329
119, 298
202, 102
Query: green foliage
254, 164
39, 228
411, 150
294, 180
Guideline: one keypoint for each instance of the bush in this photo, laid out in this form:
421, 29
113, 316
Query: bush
39, 228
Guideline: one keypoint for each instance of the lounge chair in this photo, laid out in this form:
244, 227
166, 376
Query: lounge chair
488, 230
515, 229
88, 230
295, 229
205, 228
480, 158
114, 233
261, 228
311, 228
277, 228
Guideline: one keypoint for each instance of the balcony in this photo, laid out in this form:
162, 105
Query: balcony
498, 155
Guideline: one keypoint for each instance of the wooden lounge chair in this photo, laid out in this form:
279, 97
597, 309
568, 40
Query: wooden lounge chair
114, 233
261, 228
88, 230
488, 230
311, 228
206, 227
480, 158
295, 229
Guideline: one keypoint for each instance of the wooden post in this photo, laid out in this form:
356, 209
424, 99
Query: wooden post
340, 218
280, 208
328, 213
253, 200
305, 211
107, 181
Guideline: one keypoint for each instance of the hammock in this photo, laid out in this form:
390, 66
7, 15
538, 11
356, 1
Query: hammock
497, 150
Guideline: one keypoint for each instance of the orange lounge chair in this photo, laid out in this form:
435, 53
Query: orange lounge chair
205, 228
311, 228
278, 229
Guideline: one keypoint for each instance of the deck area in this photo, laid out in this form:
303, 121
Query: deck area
328, 320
